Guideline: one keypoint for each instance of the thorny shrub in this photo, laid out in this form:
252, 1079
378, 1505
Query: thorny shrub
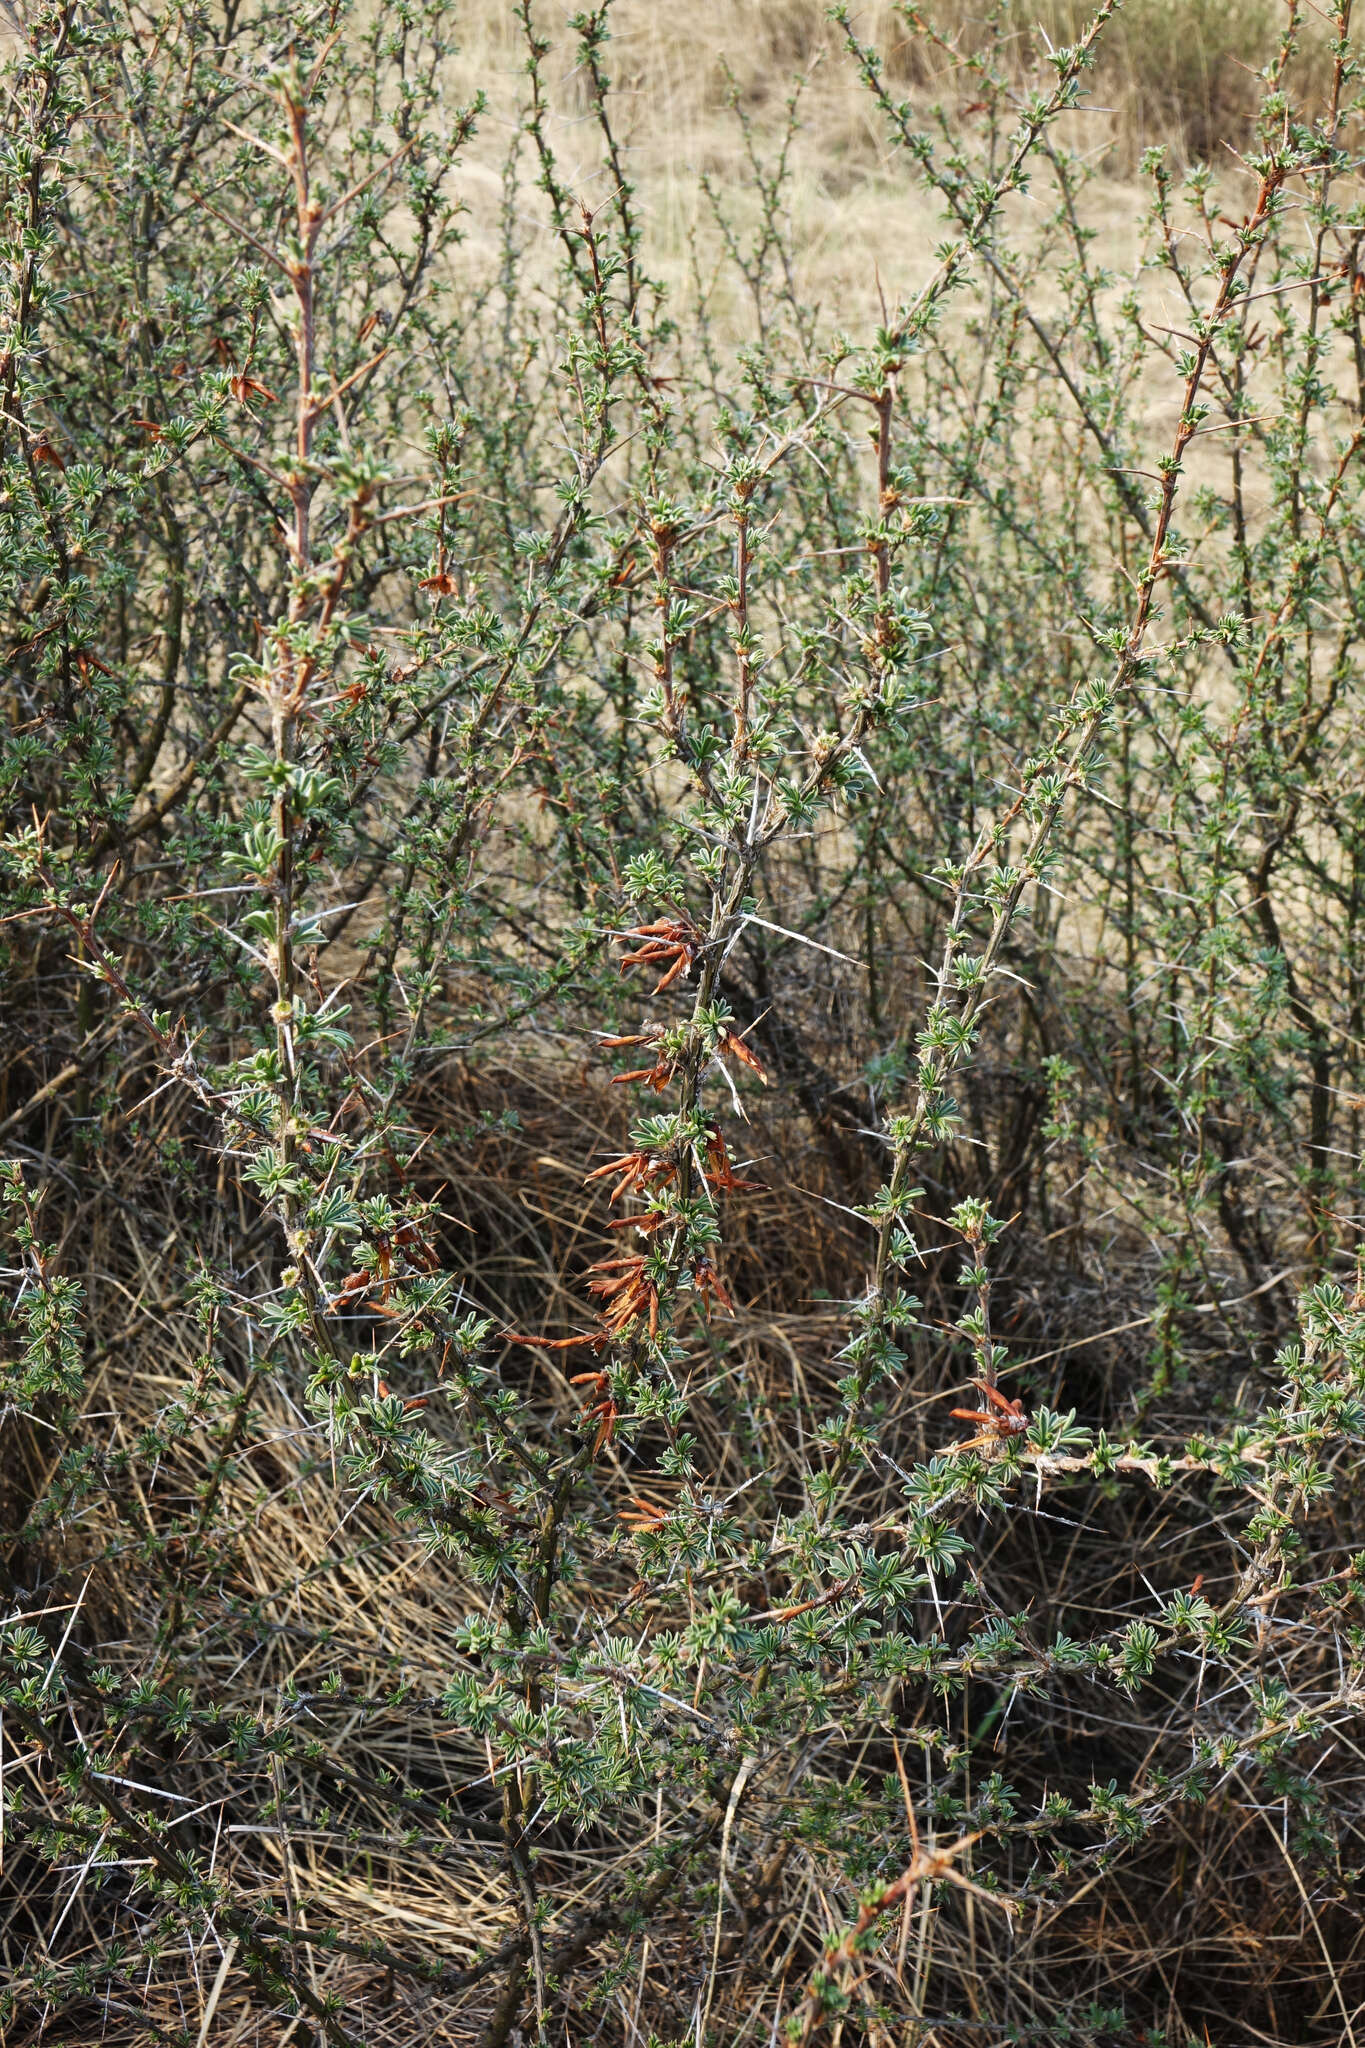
683, 1072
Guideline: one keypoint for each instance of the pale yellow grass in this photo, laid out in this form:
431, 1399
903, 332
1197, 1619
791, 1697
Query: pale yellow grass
854, 216
859, 225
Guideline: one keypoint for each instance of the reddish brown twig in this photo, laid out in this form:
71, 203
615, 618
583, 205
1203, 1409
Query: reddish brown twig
926, 1866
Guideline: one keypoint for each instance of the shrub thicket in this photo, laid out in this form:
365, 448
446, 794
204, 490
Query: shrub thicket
683, 1041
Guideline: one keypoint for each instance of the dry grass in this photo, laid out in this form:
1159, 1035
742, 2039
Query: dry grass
1173, 72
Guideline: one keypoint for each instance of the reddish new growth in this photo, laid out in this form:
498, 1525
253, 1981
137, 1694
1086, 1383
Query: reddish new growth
593, 1340
719, 1172
412, 1250
710, 1287
244, 387
729, 1046
672, 943
627, 1290
644, 1517
638, 1171
996, 1423
656, 1077
732, 1046
601, 1407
